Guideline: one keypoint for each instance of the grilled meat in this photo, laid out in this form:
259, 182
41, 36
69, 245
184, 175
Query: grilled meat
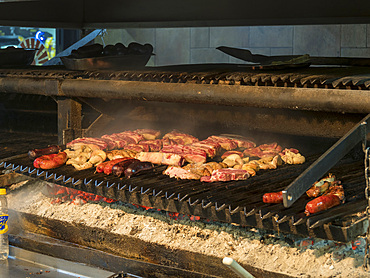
115, 154
292, 156
50, 161
322, 186
161, 158
153, 145
322, 203
137, 167
175, 138
180, 173
227, 153
232, 160
106, 166
210, 147
191, 154
35, 153
149, 134
101, 144
226, 174
119, 168
273, 198
225, 143
264, 150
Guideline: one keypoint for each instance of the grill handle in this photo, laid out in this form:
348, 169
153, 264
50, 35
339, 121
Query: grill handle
325, 162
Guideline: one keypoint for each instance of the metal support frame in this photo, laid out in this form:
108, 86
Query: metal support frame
325, 162
69, 120
366, 263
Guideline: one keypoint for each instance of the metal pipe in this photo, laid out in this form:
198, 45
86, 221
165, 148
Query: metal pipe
33, 86
314, 99
237, 268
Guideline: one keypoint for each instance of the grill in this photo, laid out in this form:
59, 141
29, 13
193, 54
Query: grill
315, 104
238, 202
231, 202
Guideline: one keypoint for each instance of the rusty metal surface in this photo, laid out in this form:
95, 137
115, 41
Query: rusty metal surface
325, 77
69, 120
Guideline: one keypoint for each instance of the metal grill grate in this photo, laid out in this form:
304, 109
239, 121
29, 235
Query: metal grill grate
318, 77
237, 202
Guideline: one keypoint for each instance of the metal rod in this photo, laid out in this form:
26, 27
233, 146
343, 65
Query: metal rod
314, 99
237, 268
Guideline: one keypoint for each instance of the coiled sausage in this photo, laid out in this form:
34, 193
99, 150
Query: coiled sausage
50, 161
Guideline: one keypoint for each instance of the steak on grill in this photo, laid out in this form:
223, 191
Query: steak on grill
226, 174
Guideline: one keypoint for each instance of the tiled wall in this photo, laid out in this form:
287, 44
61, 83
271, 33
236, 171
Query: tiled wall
198, 45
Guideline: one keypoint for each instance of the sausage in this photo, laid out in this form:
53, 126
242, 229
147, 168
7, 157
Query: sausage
321, 203
50, 161
136, 167
109, 166
100, 166
35, 153
119, 168
273, 198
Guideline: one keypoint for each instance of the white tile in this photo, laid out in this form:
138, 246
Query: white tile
172, 46
271, 36
199, 37
281, 51
317, 40
229, 36
140, 35
353, 35
356, 52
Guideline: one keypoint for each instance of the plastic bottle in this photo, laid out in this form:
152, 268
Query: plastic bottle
4, 242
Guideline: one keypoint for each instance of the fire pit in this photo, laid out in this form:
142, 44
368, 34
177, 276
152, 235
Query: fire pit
152, 236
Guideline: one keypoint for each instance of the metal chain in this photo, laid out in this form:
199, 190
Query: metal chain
367, 195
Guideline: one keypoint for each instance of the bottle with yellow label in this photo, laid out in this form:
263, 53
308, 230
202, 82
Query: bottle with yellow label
4, 216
